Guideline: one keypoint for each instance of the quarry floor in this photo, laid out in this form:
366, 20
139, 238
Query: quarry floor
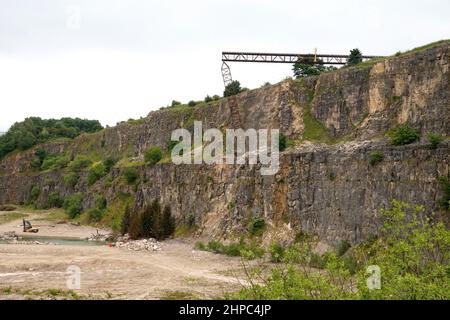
176, 272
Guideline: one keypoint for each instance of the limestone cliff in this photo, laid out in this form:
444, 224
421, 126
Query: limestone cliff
326, 185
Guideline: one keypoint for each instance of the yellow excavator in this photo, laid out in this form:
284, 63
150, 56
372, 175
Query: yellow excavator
27, 227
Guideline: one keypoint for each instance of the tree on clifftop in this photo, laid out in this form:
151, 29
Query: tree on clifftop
232, 89
306, 66
355, 57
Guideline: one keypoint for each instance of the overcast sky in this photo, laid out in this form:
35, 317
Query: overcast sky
117, 59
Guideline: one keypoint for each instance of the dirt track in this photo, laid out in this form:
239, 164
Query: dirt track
177, 270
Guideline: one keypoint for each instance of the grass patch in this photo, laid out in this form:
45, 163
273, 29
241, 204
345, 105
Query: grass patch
8, 217
249, 251
179, 295
113, 215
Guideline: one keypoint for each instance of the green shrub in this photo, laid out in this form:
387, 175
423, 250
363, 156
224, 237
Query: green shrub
435, 140
71, 179
252, 251
403, 135
100, 202
199, 245
282, 142
412, 254
342, 248
216, 97
34, 194
375, 157
126, 220
257, 227
55, 162
73, 205
167, 223
355, 57
318, 261
109, 163
54, 200
215, 246
172, 145
276, 251
233, 249
153, 155
175, 103
79, 163
130, 175
192, 103
96, 172
95, 214
232, 89
208, 99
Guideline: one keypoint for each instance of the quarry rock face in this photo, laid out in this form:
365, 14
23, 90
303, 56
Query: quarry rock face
329, 190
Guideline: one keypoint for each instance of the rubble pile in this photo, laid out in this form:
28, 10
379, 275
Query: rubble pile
137, 245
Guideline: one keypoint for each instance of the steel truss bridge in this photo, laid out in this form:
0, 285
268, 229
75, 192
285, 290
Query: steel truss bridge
326, 59
291, 58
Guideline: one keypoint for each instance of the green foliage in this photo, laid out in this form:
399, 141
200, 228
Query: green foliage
444, 202
248, 251
413, 254
216, 97
171, 145
282, 142
277, 252
152, 222
71, 179
100, 202
375, 157
96, 172
192, 103
307, 66
73, 205
232, 89
199, 245
55, 162
208, 99
34, 194
130, 175
54, 200
153, 155
109, 163
403, 135
126, 220
175, 103
40, 155
355, 57
257, 227
342, 248
79, 163
32, 131
95, 214
167, 223
435, 140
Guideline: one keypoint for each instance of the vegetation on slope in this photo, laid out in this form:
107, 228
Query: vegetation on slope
23, 135
412, 255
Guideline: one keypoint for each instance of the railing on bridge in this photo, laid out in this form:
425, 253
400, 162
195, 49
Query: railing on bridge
334, 59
